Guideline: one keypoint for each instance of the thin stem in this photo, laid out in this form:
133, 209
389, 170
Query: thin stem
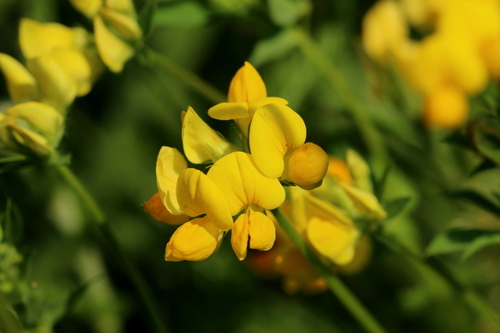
156, 60
368, 132
346, 297
466, 293
134, 275
8, 318
11, 159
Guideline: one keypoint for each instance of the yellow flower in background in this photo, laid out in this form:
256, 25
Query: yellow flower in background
115, 27
72, 48
453, 61
384, 30
31, 126
247, 92
21, 84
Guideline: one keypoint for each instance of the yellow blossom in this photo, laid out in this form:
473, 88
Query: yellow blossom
169, 165
446, 107
247, 92
306, 166
21, 84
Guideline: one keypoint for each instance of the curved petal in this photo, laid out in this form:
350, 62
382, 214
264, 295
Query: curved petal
365, 202
21, 84
332, 239
56, 84
37, 39
306, 166
261, 231
125, 25
169, 165
122, 6
195, 240
239, 236
114, 52
201, 143
197, 194
236, 175
275, 130
359, 170
89, 8
43, 118
229, 111
78, 67
246, 85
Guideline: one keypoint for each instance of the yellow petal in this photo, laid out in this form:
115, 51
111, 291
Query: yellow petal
306, 166
37, 39
239, 236
261, 231
21, 84
359, 170
125, 25
43, 118
78, 67
332, 239
123, 6
365, 202
229, 111
30, 139
201, 143
275, 130
236, 175
446, 107
169, 165
197, 194
114, 52
89, 8
195, 240
246, 85
155, 207
57, 86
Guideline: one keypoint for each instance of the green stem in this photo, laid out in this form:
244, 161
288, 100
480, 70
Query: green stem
155, 60
133, 273
368, 132
11, 159
8, 318
346, 297
466, 293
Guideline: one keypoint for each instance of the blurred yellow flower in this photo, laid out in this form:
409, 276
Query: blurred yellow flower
115, 27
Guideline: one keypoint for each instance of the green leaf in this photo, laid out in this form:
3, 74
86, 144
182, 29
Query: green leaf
396, 206
478, 200
487, 140
481, 242
286, 13
182, 15
273, 48
455, 240
11, 222
146, 15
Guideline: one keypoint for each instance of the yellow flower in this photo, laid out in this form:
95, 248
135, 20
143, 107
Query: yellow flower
21, 84
72, 48
115, 27
384, 30
201, 143
331, 233
31, 125
306, 166
245, 188
247, 92
446, 107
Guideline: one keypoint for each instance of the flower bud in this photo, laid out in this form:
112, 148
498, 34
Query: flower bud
155, 207
306, 166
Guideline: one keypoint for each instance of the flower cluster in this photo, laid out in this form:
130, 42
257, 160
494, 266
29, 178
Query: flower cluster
451, 62
62, 63
241, 186
324, 217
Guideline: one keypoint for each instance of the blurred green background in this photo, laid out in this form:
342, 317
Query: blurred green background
77, 284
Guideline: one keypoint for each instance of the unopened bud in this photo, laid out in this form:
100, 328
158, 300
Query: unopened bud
306, 166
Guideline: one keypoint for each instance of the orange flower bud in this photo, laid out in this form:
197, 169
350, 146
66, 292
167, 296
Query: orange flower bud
306, 166
157, 210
